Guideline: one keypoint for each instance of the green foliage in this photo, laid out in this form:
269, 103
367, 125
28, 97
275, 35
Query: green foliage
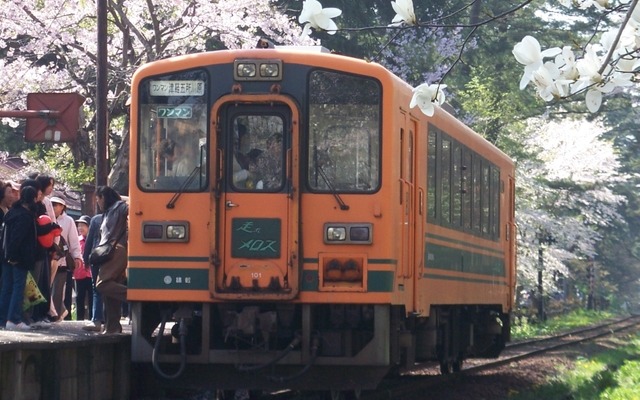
57, 161
627, 380
13, 140
493, 112
523, 328
610, 375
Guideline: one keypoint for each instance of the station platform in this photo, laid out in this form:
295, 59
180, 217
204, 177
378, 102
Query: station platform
65, 362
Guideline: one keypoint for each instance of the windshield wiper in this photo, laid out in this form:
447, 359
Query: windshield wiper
187, 182
334, 192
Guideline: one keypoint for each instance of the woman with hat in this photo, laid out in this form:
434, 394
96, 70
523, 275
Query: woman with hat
63, 274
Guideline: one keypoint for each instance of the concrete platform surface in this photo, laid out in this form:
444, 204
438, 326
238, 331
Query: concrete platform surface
59, 334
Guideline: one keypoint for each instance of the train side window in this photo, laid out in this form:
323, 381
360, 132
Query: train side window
476, 173
456, 186
485, 199
463, 188
431, 176
343, 132
445, 199
495, 203
466, 190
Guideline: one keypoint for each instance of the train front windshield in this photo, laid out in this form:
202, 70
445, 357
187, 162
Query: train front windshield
342, 139
172, 139
344, 133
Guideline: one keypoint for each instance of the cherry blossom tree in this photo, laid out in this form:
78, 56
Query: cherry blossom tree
565, 191
51, 46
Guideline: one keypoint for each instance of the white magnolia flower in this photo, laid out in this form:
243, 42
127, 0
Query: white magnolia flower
317, 17
593, 100
529, 54
607, 39
588, 68
601, 4
625, 66
547, 84
601, 83
404, 12
425, 95
566, 62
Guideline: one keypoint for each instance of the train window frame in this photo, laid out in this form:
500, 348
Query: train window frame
257, 141
325, 138
463, 208
182, 96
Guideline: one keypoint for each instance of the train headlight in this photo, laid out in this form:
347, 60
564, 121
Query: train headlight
176, 232
246, 70
351, 233
257, 70
269, 70
165, 231
336, 233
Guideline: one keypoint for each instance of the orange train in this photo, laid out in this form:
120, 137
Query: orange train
289, 214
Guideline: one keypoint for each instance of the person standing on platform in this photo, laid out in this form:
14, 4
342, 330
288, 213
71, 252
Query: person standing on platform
82, 275
92, 240
70, 236
7, 198
111, 274
18, 258
42, 273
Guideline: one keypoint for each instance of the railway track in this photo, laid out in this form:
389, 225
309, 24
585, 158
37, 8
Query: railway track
423, 377
420, 379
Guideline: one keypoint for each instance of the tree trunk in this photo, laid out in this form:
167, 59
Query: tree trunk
119, 176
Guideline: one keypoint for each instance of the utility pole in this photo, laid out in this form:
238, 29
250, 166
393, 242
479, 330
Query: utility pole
102, 166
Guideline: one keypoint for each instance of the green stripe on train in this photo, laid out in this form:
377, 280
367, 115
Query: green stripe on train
168, 278
451, 259
464, 243
436, 276
198, 279
169, 258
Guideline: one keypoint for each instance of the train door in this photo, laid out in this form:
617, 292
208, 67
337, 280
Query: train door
407, 196
511, 238
257, 208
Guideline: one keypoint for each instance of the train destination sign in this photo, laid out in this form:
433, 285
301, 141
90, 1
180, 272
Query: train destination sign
177, 88
175, 112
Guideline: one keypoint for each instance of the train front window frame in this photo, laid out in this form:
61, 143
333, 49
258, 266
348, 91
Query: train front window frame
257, 153
344, 133
172, 132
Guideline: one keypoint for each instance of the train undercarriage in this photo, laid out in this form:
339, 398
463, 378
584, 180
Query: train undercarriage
270, 346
